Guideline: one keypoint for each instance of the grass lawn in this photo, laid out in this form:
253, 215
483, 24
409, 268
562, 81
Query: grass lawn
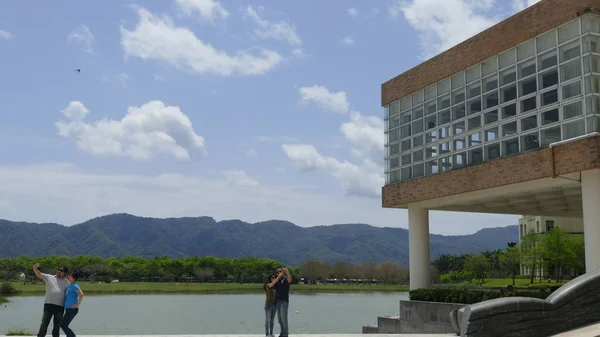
503, 282
204, 288
19, 333
3, 300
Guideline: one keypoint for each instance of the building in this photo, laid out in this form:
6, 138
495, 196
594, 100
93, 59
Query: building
506, 122
543, 224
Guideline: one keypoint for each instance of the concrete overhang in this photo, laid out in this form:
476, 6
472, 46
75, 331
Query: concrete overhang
542, 182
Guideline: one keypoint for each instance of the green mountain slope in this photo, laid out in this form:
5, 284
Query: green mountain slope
124, 234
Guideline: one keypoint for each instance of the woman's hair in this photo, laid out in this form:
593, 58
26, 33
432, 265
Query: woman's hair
269, 280
75, 275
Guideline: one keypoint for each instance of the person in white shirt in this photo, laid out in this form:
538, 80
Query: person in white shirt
54, 301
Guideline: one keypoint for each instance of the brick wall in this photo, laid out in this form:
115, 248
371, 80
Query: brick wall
535, 20
568, 158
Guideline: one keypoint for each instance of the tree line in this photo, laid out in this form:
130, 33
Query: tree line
559, 254
200, 269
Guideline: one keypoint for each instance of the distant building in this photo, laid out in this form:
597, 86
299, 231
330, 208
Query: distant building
544, 224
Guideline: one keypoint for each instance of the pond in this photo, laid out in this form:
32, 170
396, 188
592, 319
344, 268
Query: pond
207, 314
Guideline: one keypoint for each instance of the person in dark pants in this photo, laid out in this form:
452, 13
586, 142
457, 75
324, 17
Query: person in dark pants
282, 298
54, 301
73, 298
270, 305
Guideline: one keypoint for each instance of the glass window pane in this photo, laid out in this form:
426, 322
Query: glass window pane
489, 66
549, 97
431, 107
526, 68
394, 122
509, 129
528, 86
405, 103
430, 122
475, 139
460, 160
574, 129
530, 142
476, 156
491, 134
490, 100
405, 145
418, 140
592, 105
590, 23
418, 170
459, 112
473, 73
444, 132
418, 155
591, 64
550, 116
474, 123
508, 76
459, 144
593, 124
406, 173
528, 104
591, 44
528, 123
431, 167
444, 117
474, 106
490, 83
548, 79
526, 50
508, 93
569, 51
430, 151
444, 148
492, 151
446, 164
570, 70
474, 90
592, 85
458, 80
417, 97
547, 60
568, 31
430, 93
572, 110
546, 41
406, 159
509, 110
444, 102
405, 131
394, 149
405, 117
443, 87
490, 117
417, 112
394, 108
510, 146
507, 58
431, 137
458, 128
458, 96
549, 136
394, 135
571, 90
417, 126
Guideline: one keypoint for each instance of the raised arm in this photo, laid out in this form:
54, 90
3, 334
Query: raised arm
38, 273
272, 284
288, 275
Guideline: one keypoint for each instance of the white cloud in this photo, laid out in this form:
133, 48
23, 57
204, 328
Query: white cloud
298, 52
157, 38
280, 31
519, 5
5, 35
442, 24
353, 12
84, 36
240, 178
348, 41
322, 97
159, 78
365, 137
207, 10
251, 153
141, 134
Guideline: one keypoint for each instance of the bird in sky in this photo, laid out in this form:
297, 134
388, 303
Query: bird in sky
78, 70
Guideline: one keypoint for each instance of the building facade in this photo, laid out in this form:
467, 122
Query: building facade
535, 224
505, 122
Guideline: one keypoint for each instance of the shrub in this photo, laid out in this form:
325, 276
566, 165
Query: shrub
8, 289
19, 332
467, 296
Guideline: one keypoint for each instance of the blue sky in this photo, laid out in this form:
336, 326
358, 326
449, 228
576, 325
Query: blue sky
233, 109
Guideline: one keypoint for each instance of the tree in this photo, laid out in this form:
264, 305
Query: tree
531, 252
369, 269
203, 274
479, 265
510, 262
340, 270
558, 251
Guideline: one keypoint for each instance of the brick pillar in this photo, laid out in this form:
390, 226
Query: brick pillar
418, 247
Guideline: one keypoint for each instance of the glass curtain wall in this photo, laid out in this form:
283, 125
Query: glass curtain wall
542, 91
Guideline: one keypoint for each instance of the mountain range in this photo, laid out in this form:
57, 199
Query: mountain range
129, 235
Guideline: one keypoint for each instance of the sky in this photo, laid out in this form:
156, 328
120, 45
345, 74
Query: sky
250, 110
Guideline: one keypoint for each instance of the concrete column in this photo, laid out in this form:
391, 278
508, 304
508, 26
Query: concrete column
418, 247
590, 193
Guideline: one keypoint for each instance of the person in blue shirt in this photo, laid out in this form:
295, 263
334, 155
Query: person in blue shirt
73, 298
282, 298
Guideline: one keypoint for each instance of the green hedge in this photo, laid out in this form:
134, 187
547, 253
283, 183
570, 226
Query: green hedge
468, 296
